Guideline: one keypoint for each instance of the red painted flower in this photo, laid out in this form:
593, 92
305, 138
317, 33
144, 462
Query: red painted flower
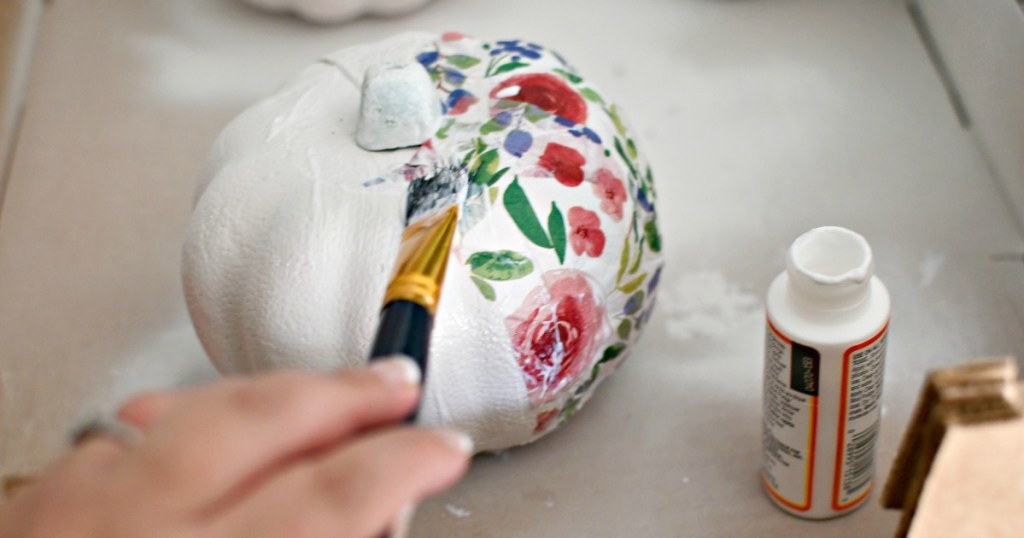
546, 92
544, 420
555, 333
452, 36
611, 192
565, 162
585, 233
459, 101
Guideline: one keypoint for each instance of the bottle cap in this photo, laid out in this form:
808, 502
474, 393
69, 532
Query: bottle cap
831, 266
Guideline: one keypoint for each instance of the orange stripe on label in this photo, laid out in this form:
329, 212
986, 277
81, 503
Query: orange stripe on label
781, 336
837, 478
812, 436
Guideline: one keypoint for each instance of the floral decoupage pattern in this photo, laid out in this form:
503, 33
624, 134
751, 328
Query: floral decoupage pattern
570, 250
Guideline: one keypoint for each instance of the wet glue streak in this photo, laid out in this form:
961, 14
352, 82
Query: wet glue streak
828, 317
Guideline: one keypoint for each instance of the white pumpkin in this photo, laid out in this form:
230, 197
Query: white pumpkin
552, 274
334, 11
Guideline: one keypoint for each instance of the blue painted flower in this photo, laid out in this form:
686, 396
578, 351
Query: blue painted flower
518, 142
641, 197
646, 316
459, 101
634, 303
653, 284
503, 118
513, 46
428, 58
454, 77
589, 133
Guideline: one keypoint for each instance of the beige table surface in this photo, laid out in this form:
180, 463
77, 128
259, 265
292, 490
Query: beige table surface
762, 119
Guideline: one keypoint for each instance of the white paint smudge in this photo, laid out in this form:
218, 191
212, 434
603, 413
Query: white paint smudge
457, 511
930, 267
705, 304
549, 501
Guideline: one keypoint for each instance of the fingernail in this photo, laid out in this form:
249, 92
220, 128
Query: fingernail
459, 440
397, 370
403, 521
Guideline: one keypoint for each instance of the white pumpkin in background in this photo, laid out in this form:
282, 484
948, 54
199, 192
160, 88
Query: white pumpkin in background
334, 11
551, 277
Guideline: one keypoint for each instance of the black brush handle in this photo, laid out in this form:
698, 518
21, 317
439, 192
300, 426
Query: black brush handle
404, 330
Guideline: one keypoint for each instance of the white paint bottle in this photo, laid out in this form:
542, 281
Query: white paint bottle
828, 317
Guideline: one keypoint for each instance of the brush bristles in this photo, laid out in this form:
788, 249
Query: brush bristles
428, 195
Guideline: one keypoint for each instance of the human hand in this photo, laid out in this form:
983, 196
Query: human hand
287, 454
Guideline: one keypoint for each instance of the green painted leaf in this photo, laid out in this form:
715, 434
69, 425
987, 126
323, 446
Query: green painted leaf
522, 213
442, 133
624, 329
631, 148
632, 285
505, 104
653, 236
623, 261
505, 68
613, 112
492, 126
639, 256
497, 175
556, 227
622, 153
569, 410
485, 289
463, 61
612, 352
591, 95
489, 160
500, 265
533, 114
485, 169
492, 193
571, 77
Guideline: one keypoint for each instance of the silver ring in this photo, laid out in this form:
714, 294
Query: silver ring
107, 426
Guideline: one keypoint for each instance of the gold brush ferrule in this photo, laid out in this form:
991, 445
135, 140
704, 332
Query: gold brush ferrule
422, 260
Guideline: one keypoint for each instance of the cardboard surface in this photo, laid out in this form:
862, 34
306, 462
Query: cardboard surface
19, 21
762, 119
980, 45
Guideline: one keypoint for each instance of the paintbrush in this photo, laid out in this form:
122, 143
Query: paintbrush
410, 303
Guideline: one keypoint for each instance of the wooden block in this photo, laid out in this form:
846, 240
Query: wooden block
953, 399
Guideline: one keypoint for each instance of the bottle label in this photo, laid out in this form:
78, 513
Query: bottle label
791, 380
859, 419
